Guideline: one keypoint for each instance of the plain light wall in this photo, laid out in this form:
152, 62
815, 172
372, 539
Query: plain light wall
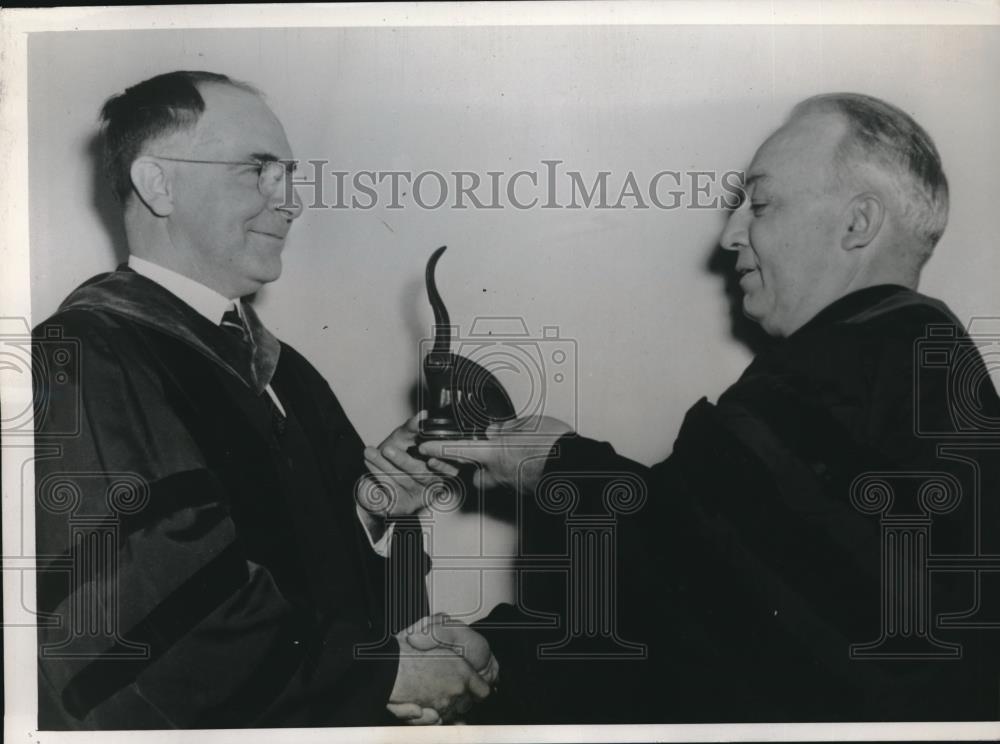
630, 289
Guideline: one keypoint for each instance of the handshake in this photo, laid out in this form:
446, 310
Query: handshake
445, 667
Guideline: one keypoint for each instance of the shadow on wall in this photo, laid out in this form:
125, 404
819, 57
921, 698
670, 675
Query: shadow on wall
105, 204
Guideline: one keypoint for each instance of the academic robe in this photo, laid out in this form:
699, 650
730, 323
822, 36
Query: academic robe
751, 575
201, 561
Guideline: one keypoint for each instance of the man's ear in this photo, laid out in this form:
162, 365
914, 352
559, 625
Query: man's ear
152, 185
865, 215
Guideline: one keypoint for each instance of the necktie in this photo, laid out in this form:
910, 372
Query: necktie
233, 324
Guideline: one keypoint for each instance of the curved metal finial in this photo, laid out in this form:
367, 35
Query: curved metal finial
442, 323
464, 398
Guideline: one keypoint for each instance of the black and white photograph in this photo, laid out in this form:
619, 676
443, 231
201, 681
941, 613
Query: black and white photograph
489, 372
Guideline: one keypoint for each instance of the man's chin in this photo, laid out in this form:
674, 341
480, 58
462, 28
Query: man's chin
256, 281
269, 277
749, 311
758, 317
270, 270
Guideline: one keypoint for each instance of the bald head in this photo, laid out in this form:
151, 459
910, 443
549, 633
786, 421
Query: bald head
832, 205
884, 150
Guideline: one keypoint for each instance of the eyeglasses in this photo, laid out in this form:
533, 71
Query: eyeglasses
269, 172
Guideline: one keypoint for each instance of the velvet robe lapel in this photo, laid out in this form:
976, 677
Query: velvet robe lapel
127, 293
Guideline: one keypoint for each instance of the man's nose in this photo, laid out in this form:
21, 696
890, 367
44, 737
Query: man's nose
734, 235
287, 200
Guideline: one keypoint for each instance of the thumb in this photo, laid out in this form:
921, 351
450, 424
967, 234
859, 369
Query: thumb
412, 424
478, 687
405, 711
425, 634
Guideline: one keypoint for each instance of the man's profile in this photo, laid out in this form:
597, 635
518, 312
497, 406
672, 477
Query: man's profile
756, 572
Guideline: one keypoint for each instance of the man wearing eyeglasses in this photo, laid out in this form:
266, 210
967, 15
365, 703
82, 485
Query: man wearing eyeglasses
203, 559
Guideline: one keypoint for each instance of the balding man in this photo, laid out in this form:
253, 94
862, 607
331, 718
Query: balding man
756, 573
203, 561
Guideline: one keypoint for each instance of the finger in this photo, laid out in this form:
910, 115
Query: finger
451, 449
468, 644
406, 432
422, 643
415, 468
389, 474
477, 480
478, 687
375, 458
491, 672
405, 711
451, 630
393, 458
424, 623
427, 623
425, 634
442, 467
453, 706
427, 641
428, 717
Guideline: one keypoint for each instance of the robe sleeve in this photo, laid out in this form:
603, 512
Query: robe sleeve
151, 615
758, 576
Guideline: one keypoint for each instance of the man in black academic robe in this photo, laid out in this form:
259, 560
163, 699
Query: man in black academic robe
753, 572
204, 557
777, 566
239, 560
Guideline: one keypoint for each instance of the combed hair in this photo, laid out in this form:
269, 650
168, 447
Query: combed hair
155, 107
883, 136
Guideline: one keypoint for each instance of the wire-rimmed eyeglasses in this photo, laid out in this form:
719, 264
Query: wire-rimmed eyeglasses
269, 172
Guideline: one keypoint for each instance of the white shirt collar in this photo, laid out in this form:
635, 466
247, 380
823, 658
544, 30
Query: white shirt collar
205, 300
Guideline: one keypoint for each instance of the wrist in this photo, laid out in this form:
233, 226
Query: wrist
375, 524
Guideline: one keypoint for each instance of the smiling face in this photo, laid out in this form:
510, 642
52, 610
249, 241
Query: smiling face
227, 234
788, 229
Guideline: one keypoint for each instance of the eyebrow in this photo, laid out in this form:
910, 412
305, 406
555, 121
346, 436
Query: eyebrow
754, 179
270, 157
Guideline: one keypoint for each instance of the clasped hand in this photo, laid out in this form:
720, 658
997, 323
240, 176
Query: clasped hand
445, 667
